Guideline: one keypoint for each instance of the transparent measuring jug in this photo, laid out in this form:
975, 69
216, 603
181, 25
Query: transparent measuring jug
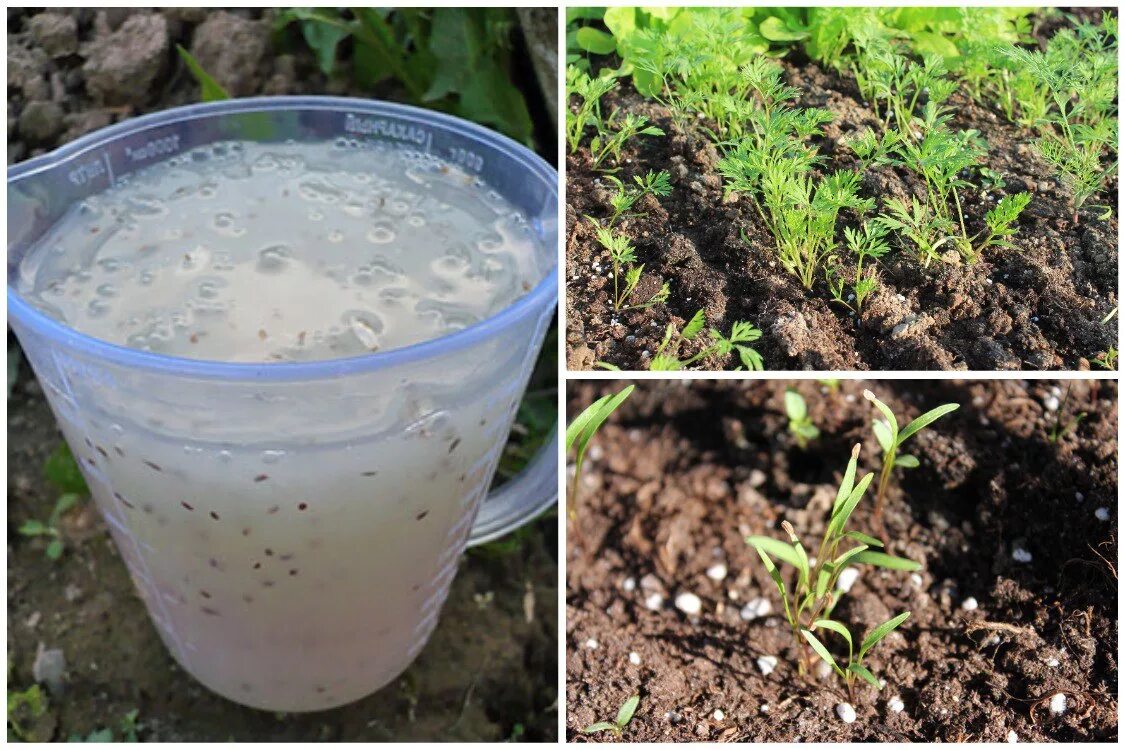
294, 528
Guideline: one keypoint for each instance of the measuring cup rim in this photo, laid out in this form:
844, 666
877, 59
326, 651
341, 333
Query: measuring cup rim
543, 294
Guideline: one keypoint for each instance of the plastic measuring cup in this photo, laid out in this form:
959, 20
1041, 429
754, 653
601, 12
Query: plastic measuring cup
293, 528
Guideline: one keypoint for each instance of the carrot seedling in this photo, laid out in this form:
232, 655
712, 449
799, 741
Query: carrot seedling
583, 428
808, 605
891, 439
800, 426
617, 726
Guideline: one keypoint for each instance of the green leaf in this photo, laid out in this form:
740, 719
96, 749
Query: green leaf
776, 576
906, 461
62, 471
835, 627
774, 29
63, 504
621, 20
628, 708
842, 559
821, 651
209, 88
882, 434
601, 726
926, 419
881, 632
883, 560
863, 672
595, 41
323, 37
795, 406
694, 326
55, 549
823, 578
892, 423
779, 549
840, 519
848, 482
583, 427
932, 43
33, 527
870, 541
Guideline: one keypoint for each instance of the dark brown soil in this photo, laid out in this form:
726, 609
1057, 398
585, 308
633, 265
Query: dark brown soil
1037, 306
684, 471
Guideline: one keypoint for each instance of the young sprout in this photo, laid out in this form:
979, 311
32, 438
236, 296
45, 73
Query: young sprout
808, 606
1107, 361
588, 112
998, 222
583, 428
653, 183
800, 426
855, 659
1060, 428
621, 252
891, 439
617, 726
608, 143
741, 334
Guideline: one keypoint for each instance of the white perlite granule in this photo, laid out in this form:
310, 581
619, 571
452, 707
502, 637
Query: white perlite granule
847, 579
755, 608
845, 712
767, 664
689, 604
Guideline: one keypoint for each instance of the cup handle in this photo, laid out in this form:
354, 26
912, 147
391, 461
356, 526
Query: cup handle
521, 498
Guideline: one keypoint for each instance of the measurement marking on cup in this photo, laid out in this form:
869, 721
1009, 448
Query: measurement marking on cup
165, 146
394, 130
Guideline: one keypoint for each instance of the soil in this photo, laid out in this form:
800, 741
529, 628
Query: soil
489, 672
685, 470
1036, 306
